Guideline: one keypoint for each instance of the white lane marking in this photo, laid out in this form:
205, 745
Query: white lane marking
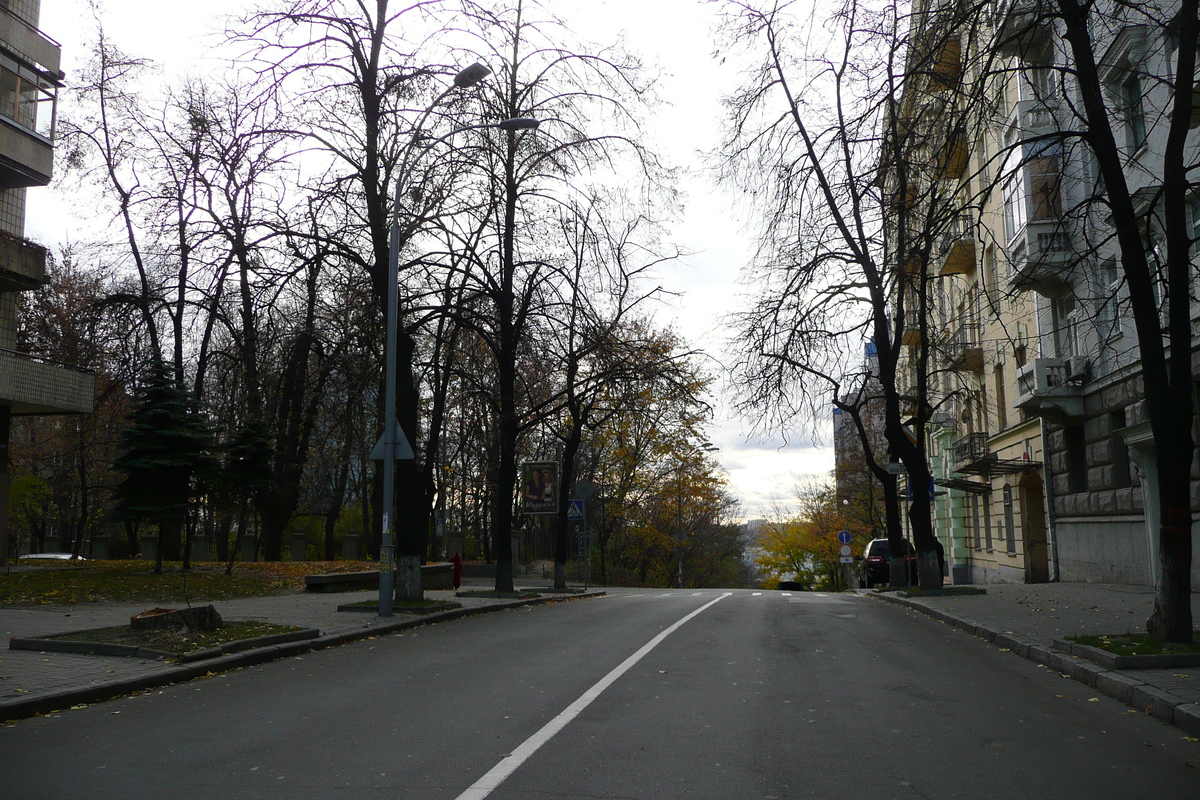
756, 594
497, 775
697, 594
786, 594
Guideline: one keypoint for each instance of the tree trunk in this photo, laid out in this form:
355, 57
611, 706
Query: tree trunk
337, 501
221, 537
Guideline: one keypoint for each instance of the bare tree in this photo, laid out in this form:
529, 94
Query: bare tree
835, 149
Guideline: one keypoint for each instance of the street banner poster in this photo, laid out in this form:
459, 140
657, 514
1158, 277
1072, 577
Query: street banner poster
539, 484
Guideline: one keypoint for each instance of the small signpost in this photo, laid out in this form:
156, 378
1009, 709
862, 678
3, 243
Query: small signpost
584, 490
844, 551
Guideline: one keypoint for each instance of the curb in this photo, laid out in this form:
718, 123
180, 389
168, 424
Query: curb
34, 704
1160, 704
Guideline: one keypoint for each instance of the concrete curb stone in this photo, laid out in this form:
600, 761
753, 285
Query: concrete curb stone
1014, 643
1156, 702
1117, 686
1187, 717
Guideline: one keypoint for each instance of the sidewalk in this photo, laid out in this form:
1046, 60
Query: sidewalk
1028, 618
34, 682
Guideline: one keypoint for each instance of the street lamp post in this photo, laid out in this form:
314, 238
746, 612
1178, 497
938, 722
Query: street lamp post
393, 445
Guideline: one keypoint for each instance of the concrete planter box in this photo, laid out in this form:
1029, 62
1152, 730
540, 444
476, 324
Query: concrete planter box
1112, 661
433, 576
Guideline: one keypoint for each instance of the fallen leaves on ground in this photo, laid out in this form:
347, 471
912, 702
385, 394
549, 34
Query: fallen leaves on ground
135, 581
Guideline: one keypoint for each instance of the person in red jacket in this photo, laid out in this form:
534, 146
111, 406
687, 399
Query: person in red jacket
457, 562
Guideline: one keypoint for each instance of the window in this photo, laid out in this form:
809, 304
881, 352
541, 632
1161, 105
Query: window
1010, 526
1108, 288
1001, 401
21, 92
1038, 84
975, 522
987, 521
1133, 112
1014, 207
1031, 191
1121, 477
1063, 311
1193, 223
1076, 457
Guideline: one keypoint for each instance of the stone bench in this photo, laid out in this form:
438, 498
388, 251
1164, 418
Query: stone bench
433, 576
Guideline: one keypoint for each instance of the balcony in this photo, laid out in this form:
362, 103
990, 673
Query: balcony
964, 351
26, 158
969, 450
22, 264
1046, 387
1015, 24
33, 386
956, 247
1041, 258
971, 455
946, 67
1029, 120
952, 156
911, 336
23, 38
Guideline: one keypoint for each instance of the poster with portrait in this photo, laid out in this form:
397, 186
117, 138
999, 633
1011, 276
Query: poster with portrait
539, 487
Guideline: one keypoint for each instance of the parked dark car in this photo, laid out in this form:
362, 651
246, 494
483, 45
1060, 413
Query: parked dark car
875, 564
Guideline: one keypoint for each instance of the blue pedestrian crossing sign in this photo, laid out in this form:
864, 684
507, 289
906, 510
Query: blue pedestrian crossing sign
575, 509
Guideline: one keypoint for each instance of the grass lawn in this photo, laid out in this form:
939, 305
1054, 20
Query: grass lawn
179, 642
1135, 644
133, 581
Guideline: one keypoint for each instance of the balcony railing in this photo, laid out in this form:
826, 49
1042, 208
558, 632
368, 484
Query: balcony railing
969, 449
38, 386
1030, 119
22, 264
965, 352
1041, 258
956, 248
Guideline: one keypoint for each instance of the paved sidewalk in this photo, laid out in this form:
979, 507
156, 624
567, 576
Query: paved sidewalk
1028, 618
40, 681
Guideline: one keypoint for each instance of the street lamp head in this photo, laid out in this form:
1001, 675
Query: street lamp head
471, 75
518, 124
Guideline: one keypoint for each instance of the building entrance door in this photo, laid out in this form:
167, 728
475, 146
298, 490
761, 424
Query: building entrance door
1033, 529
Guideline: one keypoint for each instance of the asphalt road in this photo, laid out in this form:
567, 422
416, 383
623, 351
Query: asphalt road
755, 695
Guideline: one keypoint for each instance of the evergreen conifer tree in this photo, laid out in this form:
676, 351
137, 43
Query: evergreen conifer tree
167, 448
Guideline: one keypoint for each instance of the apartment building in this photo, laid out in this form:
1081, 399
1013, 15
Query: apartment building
1085, 380
1038, 432
29, 80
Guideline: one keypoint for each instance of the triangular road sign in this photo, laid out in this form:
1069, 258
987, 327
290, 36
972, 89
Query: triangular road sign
401, 449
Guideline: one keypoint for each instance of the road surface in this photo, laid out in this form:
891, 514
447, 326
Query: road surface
642, 694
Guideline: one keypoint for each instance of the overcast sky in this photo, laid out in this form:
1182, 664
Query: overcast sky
674, 33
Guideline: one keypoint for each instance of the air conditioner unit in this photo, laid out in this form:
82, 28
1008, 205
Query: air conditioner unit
1079, 369
1047, 385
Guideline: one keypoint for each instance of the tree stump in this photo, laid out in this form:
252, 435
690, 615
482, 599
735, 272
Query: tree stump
202, 618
